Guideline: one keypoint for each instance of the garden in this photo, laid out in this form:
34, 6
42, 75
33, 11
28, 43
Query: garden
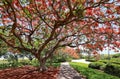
27, 68
38, 36
101, 69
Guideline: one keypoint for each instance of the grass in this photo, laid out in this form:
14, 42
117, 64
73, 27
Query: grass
3, 61
91, 73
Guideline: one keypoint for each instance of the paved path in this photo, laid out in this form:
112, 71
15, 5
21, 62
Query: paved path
82, 61
67, 72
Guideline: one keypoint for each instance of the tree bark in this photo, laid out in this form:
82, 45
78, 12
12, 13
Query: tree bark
42, 66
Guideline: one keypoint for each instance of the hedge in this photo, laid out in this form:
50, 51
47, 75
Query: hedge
116, 55
113, 69
113, 60
96, 65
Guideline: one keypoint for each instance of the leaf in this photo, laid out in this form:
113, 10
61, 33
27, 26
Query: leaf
79, 11
28, 13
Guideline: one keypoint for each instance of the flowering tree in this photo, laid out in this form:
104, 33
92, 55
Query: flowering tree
71, 52
42, 26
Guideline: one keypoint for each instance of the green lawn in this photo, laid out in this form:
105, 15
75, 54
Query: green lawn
91, 73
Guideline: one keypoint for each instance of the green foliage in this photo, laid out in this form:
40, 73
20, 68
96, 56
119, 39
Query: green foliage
13, 63
96, 65
113, 60
104, 61
113, 69
3, 49
91, 73
103, 67
110, 66
3, 61
60, 57
79, 11
27, 13
9, 65
34, 62
53, 65
116, 55
5, 65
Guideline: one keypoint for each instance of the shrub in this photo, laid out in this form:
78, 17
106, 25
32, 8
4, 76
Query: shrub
113, 69
4, 65
53, 65
91, 73
60, 57
116, 55
104, 61
8, 65
113, 60
103, 67
96, 65
35, 62
25, 63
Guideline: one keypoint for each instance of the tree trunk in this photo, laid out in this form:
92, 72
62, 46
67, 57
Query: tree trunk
42, 67
89, 55
51, 58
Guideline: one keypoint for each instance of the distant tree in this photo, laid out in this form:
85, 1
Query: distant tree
42, 26
71, 52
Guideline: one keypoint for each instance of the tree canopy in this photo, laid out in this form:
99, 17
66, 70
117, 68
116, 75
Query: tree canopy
42, 26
